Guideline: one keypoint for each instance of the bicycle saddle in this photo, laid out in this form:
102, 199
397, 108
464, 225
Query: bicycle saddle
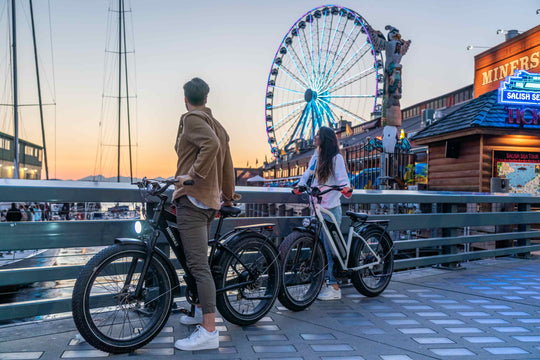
227, 211
357, 216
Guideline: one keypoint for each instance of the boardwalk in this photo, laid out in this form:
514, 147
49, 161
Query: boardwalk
489, 310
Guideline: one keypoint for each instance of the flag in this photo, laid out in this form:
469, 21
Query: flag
348, 130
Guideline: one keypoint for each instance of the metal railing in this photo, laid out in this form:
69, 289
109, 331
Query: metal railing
443, 233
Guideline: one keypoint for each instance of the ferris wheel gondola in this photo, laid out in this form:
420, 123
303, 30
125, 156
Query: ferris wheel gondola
325, 70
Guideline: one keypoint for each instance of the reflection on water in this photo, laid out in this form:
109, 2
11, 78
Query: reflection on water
49, 289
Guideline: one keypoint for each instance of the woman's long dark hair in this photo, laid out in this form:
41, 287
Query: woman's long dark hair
328, 148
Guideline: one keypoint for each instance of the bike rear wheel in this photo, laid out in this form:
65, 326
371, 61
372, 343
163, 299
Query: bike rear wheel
301, 282
248, 280
104, 308
372, 281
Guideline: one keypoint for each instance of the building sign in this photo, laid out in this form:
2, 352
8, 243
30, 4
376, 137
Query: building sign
522, 169
521, 94
521, 89
495, 64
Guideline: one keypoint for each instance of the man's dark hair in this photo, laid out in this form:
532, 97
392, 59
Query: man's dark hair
196, 91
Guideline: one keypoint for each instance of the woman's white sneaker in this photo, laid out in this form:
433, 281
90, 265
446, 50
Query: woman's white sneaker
329, 293
201, 339
192, 320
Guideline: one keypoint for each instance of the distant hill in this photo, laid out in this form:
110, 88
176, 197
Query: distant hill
101, 178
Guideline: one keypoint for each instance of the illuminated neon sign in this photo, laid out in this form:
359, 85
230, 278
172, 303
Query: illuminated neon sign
521, 89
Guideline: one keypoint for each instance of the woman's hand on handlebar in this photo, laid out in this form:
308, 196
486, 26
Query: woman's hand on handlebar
347, 192
297, 190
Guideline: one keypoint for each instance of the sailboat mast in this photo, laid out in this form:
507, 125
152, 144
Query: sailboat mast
39, 90
127, 92
15, 98
119, 79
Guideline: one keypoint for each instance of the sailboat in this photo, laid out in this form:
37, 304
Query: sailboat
23, 154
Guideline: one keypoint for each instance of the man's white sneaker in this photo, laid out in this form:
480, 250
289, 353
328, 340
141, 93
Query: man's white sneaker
192, 320
201, 339
329, 293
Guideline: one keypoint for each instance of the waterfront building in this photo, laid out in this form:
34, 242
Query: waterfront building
30, 158
493, 142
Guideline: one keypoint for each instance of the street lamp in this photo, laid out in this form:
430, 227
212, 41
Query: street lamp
470, 47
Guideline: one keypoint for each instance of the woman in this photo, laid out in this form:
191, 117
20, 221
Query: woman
327, 167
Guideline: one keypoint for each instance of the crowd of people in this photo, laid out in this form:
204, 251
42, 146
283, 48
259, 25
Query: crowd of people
34, 212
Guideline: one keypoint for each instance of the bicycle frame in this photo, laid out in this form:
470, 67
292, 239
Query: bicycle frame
339, 247
164, 222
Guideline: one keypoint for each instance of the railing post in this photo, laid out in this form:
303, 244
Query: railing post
450, 232
524, 227
272, 209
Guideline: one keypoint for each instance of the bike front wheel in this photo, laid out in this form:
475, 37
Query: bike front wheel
248, 280
105, 309
301, 281
372, 280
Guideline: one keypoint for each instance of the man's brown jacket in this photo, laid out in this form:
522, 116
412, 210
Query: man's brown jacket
202, 146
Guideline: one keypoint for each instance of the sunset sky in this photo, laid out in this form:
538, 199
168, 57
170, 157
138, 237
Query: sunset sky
231, 45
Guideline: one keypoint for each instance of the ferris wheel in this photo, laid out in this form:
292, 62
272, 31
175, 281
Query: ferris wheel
325, 70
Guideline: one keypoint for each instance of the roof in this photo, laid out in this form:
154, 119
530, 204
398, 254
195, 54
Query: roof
482, 112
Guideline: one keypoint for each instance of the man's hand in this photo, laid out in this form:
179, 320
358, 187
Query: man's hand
228, 203
183, 178
347, 192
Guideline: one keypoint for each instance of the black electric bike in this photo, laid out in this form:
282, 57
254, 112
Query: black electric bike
123, 296
366, 256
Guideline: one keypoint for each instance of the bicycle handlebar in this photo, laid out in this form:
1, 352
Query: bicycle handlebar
316, 191
155, 187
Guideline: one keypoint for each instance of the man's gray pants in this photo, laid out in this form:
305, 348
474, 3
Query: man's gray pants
194, 226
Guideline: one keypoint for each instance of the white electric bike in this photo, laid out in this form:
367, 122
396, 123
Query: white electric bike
366, 256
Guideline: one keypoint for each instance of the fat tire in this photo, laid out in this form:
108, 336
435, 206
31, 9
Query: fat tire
226, 262
385, 268
287, 299
85, 281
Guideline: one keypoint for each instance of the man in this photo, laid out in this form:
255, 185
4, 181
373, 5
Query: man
202, 146
13, 214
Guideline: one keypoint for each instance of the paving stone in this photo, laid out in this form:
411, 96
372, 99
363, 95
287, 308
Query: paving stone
491, 321
433, 340
331, 347
77, 354
464, 330
505, 350
270, 337
318, 336
482, 339
417, 331
447, 322
22, 355
510, 329
274, 348
402, 322
453, 352
527, 338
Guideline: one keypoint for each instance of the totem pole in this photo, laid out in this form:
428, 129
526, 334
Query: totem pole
395, 48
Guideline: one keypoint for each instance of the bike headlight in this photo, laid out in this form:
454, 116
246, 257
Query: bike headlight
306, 222
138, 227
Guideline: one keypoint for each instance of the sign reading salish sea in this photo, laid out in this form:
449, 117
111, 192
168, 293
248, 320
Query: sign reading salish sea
521, 89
